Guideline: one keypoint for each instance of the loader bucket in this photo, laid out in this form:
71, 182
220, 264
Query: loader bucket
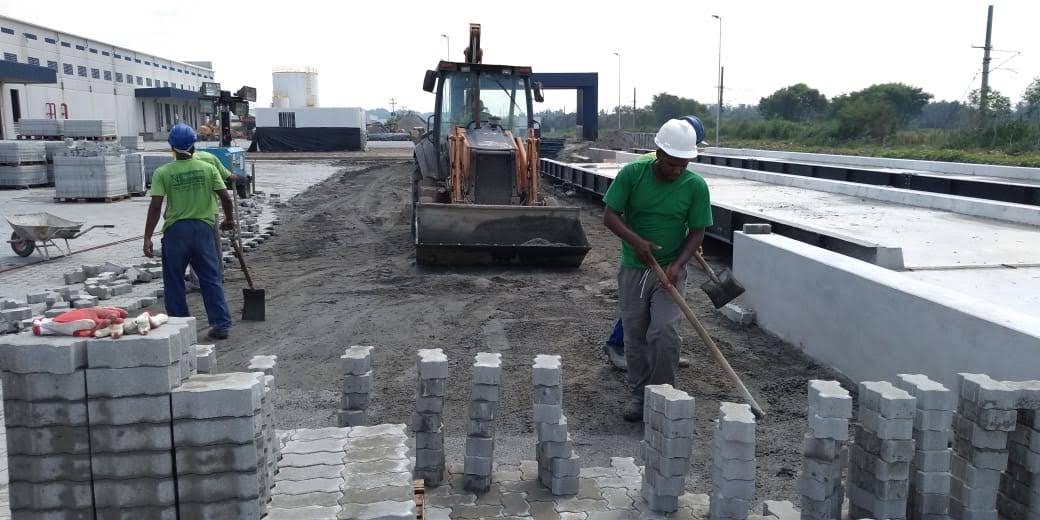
448, 234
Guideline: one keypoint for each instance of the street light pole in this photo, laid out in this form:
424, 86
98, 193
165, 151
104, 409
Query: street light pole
447, 42
618, 54
718, 106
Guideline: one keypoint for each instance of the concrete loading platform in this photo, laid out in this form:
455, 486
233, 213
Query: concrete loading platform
921, 281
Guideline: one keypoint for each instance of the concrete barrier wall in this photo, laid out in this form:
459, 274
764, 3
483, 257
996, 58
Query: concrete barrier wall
1009, 172
871, 323
1007, 211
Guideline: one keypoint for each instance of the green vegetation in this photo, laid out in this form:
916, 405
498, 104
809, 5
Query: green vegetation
884, 120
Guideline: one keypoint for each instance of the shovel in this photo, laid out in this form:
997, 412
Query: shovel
721, 289
706, 338
253, 300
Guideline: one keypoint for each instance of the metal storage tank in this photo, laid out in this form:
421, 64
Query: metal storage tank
294, 87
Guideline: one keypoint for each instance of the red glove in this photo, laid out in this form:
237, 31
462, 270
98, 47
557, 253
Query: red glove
100, 317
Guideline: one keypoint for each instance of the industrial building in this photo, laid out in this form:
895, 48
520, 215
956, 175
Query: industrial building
46, 73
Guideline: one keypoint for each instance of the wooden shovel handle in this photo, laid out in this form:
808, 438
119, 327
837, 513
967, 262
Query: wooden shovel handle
703, 333
707, 268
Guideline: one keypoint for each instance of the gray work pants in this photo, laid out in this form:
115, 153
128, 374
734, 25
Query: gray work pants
651, 320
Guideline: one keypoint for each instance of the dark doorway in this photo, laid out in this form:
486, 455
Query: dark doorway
16, 106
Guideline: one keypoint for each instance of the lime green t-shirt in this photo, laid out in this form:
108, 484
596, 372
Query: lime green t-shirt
214, 161
188, 186
661, 212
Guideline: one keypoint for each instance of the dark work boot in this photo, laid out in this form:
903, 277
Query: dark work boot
634, 411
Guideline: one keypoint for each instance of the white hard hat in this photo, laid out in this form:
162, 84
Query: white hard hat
678, 139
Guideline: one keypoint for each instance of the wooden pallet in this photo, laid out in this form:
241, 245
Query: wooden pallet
92, 199
98, 138
420, 494
24, 163
137, 193
40, 137
26, 186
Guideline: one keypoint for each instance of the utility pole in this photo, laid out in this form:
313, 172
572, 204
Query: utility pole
634, 122
984, 93
393, 106
618, 54
447, 43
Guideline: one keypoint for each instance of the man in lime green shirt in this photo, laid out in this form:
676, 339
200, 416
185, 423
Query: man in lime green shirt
188, 185
660, 210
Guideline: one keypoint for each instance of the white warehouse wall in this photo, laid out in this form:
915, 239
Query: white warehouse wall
107, 96
338, 117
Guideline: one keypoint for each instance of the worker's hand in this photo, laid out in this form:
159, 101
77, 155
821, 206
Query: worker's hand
672, 272
644, 250
228, 224
148, 248
233, 179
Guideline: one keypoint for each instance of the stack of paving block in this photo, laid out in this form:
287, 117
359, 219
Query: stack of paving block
267, 365
135, 183
733, 468
89, 128
427, 424
45, 406
152, 161
667, 445
129, 382
219, 440
558, 465
23, 163
480, 442
930, 470
879, 474
1020, 484
206, 359
986, 412
131, 142
90, 170
356, 363
40, 127
54, 148
14, 314
824, 450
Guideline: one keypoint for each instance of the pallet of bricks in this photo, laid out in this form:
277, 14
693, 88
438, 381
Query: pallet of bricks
41, 129
92, 129
23, 164
90, 171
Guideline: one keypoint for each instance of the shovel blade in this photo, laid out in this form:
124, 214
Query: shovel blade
253, 304
723, 292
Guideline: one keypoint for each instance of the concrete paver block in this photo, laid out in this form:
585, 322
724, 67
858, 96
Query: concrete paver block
930, 395
221, 458
217, 487
487, 369
249, 508
265, 364
738, 314
25, 353
231, 394
224, 430
888, 400
433, 364
45, 413
126, 465
51, 495
829, 399
127, 382
43, 386
159, 348
356, 360
129, 410
130, 437
47, 440
135, 492
361, 384
546, 370
49, 468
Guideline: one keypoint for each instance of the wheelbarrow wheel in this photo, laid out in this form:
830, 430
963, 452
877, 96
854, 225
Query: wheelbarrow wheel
22, 248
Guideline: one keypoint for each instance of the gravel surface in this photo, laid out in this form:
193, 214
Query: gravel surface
342, 272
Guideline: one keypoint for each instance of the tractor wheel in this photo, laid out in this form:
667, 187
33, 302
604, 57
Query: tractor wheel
22, 248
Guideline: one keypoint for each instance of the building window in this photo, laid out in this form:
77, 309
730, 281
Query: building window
156, 65
29, 36
119, 77
108, 75
95, 73
147, 63
66, 44
164, 67
81, 70
93, 51
165, 83
148, 81
10, 56
105, 53
5, 30
116, 55
53, 65
287, 119
137, 60
33, 61
50, 40
81, 47
67, 68
130, 79
127, 58
139, 81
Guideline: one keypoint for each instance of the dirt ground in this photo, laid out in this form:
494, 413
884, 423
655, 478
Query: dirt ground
342, 272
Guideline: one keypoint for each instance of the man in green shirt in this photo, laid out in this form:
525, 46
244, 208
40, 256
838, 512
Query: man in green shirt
660, 210
188, 185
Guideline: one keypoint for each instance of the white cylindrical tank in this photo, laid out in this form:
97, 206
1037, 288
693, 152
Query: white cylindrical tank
294, 87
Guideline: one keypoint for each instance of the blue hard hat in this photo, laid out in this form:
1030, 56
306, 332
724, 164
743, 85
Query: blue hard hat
698, 127
182, 137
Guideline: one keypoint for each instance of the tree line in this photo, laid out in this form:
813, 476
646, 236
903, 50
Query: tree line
885, 113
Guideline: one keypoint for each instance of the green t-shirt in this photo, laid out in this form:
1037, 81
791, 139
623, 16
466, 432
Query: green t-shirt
188, 186
214, 161
661, 212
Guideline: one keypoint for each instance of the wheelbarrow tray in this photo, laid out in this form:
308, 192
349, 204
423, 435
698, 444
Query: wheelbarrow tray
39, 227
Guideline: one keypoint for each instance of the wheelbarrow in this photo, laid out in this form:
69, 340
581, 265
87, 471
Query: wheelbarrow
34, 231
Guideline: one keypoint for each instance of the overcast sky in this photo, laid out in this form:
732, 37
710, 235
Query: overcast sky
368, 52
